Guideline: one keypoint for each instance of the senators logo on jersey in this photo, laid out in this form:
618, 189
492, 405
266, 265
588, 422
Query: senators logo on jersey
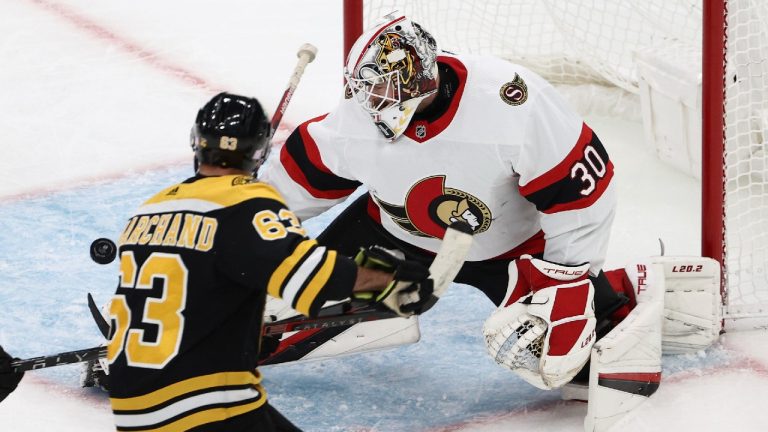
514, 92
430, 207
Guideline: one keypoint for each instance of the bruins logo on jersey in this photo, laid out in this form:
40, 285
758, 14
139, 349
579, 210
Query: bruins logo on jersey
430, 207
241, 180
514, 92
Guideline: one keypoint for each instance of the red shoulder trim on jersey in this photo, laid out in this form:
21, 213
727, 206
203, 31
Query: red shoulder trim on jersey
577, 182
373, 210
563, 168
434, 128
590, 199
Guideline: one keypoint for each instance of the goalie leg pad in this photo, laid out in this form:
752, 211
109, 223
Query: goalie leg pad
692, 299
625, 368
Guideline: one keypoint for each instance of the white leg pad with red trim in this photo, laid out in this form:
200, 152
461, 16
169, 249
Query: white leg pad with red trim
692, 299
625, 367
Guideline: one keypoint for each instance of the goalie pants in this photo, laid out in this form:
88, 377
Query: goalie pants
354, 228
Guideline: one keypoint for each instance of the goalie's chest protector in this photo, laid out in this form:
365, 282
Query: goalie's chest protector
466, 165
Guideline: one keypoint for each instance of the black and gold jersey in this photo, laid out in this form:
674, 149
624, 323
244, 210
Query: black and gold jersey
196, 262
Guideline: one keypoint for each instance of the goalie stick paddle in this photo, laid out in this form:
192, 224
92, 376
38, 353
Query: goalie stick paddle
450, 257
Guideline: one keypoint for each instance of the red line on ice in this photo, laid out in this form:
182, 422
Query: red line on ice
145, 55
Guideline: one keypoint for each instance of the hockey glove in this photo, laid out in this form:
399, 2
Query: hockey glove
546, 335
8, 379
411, 288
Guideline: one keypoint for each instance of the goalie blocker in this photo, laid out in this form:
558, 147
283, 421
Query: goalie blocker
545, 327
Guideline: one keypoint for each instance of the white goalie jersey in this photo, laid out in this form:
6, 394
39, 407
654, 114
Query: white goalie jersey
507, 155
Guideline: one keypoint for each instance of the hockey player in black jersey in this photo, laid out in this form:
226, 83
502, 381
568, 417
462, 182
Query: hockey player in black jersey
197, 261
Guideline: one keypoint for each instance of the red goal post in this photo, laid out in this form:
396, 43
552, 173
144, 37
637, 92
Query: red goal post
712, 55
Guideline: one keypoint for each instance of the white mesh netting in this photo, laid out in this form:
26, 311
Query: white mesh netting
746, 162
595, 43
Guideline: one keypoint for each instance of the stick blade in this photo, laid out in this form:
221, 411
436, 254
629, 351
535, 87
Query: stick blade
451, 255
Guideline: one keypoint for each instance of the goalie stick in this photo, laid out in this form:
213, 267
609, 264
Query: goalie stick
450, 257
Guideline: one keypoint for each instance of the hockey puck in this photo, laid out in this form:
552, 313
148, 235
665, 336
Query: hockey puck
103, 251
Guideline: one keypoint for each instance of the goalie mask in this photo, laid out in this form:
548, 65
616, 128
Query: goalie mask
231, 131
390, 70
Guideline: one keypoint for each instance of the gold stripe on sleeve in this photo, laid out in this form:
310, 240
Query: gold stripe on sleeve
277, 280
309, 294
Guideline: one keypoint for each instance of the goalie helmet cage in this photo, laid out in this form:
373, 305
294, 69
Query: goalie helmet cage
722, 44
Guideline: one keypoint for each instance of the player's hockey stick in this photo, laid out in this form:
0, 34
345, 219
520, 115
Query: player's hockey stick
450, 257
101, 322
306, 55
354, 316
103, 251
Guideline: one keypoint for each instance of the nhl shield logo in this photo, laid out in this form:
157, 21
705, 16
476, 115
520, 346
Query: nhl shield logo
421, 131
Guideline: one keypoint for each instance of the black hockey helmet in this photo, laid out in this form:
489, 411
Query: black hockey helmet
231, 131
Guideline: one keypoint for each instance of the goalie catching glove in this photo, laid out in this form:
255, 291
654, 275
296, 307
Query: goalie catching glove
545, 327
410, 289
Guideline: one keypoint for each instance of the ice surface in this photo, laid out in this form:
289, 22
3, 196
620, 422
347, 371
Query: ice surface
97, 100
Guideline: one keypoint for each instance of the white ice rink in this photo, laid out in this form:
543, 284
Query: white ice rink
96, 102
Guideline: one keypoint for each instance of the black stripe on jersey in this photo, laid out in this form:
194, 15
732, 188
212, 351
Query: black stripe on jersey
396, 211
310, 277
292, 271
316, 179
580, 185
399, 216
339, 285
340, 276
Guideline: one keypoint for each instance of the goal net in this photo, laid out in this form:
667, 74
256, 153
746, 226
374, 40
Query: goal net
652, 51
